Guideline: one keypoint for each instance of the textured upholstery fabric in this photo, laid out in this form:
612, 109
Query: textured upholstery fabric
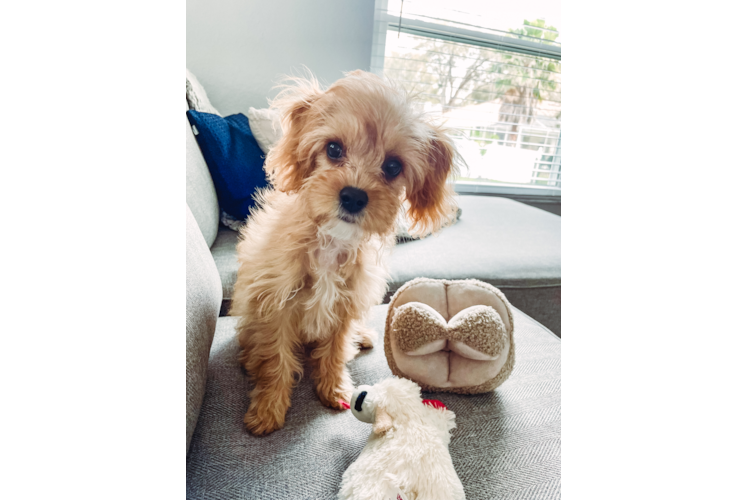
224, 254
512, 246
201, 194
507, 443
497, 240
203, 302
500, 241
543, 302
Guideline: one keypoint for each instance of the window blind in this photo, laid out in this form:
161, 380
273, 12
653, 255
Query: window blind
497, 87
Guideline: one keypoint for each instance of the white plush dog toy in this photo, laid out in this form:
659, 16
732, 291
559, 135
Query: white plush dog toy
407, 455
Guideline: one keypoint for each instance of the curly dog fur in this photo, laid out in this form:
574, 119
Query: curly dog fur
310, 270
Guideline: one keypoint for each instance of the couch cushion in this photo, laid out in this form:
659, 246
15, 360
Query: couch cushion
512, 246
201, 194
224, 254
203, 303
507, 442
497, 240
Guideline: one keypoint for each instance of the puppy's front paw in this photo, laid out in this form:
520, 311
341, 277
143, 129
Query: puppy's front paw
332, 394
263, 419
337, 400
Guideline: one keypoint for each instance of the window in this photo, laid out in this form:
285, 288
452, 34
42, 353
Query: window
491, 70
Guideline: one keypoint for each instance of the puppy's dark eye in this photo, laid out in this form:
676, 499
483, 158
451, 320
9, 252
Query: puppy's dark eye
392, 168
334, 151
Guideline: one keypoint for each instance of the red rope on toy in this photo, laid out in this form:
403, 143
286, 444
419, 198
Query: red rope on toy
434, 403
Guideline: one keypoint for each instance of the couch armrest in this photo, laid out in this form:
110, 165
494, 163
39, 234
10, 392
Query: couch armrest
204, 295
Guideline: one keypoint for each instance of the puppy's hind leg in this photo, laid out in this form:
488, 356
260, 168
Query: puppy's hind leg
364, 337
273, 363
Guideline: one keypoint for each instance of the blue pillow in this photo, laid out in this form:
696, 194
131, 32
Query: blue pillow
234, 159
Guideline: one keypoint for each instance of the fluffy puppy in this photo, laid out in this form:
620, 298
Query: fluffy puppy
310, 256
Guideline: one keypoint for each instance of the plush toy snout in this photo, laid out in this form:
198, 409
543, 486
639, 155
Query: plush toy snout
364, 407
362, 404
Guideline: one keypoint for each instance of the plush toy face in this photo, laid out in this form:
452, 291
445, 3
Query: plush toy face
390, 401
367, 405
363, 406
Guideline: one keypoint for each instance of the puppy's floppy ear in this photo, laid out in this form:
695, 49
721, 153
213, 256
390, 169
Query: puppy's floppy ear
289, 162
430, 197
382, 421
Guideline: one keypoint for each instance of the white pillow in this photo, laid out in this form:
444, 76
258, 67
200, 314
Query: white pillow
196, 96
266, 127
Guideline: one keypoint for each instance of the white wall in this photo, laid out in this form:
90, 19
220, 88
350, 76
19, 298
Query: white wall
238, 49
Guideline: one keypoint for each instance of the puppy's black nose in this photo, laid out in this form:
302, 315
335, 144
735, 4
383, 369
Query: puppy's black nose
353, 199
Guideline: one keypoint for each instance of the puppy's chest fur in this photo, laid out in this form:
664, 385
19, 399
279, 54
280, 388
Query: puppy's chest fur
328, 290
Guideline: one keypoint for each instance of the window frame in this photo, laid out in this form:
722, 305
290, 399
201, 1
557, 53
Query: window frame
383, 22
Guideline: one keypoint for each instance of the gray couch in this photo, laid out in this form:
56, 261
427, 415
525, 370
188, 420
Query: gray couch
507, 442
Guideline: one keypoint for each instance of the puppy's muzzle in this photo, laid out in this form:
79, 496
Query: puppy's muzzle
353, 200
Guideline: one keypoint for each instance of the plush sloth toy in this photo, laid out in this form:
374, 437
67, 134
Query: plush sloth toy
407, 454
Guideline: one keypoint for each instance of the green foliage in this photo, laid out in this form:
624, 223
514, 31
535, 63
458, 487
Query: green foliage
456, 74
526, 81
486, 137
442, 72
537, 29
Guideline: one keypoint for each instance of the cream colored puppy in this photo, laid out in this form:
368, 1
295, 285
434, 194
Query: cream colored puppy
310, 254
